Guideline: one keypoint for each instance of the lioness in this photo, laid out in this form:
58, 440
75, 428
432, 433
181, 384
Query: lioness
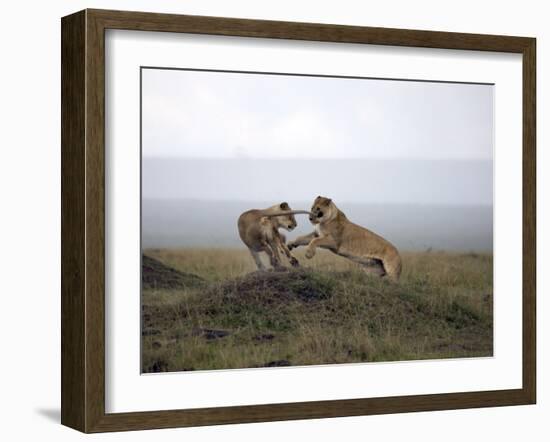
259, 230
339, 235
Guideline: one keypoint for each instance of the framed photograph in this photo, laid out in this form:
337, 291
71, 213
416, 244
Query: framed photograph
270, 220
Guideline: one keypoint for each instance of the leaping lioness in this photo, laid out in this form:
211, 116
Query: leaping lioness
339, 235
259, 230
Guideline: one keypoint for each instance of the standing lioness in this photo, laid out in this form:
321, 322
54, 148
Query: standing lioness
259, 230
339, 235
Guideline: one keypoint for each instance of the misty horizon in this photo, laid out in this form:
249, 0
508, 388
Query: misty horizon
173, 223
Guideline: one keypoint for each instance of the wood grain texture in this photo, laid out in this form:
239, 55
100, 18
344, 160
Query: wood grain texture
308, 410
194, 24
73, 129
83, 220
95, 222
529, 221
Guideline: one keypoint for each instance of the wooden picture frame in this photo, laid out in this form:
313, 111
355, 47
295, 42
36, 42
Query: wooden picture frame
83, 220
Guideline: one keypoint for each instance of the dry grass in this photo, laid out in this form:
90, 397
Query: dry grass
327, 312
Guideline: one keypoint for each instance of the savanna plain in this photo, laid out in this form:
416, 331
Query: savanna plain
206, 309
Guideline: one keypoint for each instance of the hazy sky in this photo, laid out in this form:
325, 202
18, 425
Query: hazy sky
234, 115
252, 137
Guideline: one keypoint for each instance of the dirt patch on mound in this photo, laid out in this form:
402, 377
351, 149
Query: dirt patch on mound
273, 286
156, 275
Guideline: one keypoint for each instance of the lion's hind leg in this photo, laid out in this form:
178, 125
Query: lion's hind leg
393, 267
257, 259
390, 267
372, 266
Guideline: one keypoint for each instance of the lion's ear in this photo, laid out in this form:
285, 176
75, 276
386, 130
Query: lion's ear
284, 206
329, 201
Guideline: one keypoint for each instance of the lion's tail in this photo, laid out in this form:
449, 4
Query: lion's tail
288, 212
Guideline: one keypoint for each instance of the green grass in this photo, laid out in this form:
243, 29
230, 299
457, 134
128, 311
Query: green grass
328, 311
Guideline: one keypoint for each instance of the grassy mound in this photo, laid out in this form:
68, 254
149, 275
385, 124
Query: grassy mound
156, 275
307, 316
278, 286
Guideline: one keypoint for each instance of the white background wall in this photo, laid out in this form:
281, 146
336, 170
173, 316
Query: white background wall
30, 221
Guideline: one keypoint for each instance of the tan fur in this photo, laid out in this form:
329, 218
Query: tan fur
339, 235
259, 230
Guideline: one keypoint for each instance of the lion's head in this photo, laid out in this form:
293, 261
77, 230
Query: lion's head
322, 210
287, 222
